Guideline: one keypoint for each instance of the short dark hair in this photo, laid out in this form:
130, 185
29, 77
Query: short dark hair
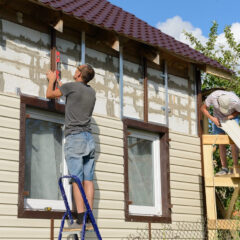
87, 71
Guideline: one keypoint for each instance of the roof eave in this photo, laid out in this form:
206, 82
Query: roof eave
218, 72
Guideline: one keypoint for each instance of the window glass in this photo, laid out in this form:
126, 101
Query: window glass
140, 171
144, 184
43, 159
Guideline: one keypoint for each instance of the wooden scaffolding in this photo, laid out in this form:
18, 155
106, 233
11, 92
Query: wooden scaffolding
211, 182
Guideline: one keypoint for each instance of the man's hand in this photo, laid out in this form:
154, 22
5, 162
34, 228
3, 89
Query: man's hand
51, 76
59, 83
216, 121
51, 94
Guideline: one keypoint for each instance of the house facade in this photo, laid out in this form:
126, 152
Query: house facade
146, 122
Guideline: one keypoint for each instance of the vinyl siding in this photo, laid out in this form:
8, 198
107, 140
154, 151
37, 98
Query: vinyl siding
185, 177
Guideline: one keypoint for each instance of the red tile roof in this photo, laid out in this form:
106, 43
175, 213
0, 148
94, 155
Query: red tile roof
104, 14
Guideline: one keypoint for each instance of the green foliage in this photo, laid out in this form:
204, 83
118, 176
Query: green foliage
228, 56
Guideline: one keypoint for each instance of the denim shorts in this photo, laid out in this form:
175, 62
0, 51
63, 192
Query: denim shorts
79, 154
217, 130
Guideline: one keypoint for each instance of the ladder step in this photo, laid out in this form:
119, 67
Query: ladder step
69, 229
74, 231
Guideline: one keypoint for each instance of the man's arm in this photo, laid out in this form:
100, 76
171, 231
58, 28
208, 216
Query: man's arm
51, 94
208, 115
233, 115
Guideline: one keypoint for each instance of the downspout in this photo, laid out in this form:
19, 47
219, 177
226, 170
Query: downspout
145, 90
196, 99
121, 80
83, 48
165, 75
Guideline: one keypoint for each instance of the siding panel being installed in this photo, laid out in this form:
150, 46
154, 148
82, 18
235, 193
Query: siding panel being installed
185, 179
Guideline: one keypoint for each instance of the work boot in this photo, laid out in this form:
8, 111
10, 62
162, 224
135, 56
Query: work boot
224, 171
79, 221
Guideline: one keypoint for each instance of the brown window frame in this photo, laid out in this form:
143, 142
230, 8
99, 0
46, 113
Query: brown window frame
51, 106
165, 170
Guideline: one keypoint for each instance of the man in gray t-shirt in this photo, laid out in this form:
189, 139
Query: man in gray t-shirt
226, 106
79, 145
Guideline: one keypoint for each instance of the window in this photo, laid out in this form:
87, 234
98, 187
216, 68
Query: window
41, 159
146, 172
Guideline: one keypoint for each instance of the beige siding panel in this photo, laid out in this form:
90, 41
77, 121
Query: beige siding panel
9, 123
7, 176
9, 144
6, 187
186, 202
187, 210
108, 214
6, 221
108, 140
8, 198
9, 133
6, 165
176, 137
108, 195
109, 167
12, 101
25, 233
113, 186
187, 218
185, 147
187, 178
185, 155
9, 210
9, 112
119, 223
109, 149
106, 131
10, 155
185, 186
108, 204
107, 121
186, 170
119, 233
177, 225
104, 176
185, 162
104, 157
188, 194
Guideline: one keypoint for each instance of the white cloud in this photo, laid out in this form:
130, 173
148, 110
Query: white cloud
235, 28
175, 27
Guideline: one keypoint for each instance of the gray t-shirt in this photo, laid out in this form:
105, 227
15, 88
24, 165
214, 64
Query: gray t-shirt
80, 102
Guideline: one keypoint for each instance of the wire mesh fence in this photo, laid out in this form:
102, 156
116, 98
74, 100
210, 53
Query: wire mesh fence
209, 230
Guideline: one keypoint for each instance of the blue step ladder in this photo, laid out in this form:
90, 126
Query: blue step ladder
68, 213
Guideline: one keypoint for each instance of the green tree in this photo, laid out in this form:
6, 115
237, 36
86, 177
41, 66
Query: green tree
228, 56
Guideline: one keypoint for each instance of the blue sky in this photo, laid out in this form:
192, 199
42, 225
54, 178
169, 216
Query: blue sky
195, 15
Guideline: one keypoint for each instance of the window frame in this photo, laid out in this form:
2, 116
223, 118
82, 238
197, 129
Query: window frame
41, 104
163, 133
157, 208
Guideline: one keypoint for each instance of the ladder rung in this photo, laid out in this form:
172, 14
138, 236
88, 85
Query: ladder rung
69, 229
74, 231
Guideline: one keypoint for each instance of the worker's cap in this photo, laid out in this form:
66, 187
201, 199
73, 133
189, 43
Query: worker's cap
237, 106
224, 104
